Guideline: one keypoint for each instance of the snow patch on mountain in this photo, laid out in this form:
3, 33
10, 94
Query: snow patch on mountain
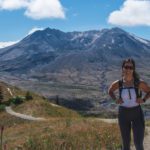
140, 39
76, 36
96, 36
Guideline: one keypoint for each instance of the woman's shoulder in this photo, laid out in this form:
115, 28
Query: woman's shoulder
144, 86
138, 81
114, 86
116, 83
142, 83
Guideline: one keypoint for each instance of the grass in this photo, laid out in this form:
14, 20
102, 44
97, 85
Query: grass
39, 108
78, 135
62, 133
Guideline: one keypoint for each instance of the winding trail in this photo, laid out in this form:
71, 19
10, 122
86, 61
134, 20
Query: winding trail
108, 120
26, 117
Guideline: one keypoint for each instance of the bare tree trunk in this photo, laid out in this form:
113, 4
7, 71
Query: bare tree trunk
2, 129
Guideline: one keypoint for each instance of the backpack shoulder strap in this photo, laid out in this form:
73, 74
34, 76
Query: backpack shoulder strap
120, 87
137, 90
136, 83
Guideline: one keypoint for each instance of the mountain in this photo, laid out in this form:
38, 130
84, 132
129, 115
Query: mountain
72, 64
56, 50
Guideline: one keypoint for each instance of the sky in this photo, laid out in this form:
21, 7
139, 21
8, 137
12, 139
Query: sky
18, 18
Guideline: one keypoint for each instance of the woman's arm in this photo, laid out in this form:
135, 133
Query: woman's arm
113, 87
145, 88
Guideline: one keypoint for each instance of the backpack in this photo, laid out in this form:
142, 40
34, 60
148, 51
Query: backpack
136, 87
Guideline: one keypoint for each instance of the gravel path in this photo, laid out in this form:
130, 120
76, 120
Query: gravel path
27, 117
146, 141
108, 120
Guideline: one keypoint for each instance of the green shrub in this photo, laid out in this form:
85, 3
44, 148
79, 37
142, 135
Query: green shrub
17, 100
2, 107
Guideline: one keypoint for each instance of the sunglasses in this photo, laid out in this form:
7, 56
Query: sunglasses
128, 67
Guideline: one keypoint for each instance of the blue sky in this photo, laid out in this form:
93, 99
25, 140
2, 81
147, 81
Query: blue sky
18, 18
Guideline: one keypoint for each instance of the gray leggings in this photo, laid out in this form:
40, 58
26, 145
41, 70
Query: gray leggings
131, 118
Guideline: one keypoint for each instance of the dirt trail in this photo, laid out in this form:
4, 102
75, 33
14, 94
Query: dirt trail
146, 140
23, 116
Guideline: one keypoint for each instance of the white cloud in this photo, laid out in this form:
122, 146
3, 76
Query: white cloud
36, 9
5, 44
13, 4
34, 29
132, 13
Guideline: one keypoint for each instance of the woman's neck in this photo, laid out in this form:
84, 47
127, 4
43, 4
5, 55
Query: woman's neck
128, 79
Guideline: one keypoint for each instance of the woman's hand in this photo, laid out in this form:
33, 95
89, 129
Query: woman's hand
139, 101
119, 101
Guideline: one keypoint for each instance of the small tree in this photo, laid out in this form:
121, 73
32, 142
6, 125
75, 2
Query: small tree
2, 129
17, 100
28, 96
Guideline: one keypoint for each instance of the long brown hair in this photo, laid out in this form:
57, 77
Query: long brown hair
135, 74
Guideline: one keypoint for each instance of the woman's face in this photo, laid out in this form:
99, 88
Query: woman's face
128, 69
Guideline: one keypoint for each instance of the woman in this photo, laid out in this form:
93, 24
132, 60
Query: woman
130, 112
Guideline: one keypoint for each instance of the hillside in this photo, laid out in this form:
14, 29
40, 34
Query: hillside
62, 129
36, 105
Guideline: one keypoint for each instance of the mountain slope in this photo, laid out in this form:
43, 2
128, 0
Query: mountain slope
56, 50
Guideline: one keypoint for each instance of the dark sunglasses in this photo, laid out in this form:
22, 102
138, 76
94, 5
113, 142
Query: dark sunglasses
128, 67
